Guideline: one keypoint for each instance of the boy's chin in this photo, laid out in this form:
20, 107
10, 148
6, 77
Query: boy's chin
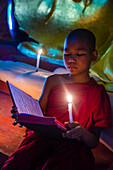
72, 71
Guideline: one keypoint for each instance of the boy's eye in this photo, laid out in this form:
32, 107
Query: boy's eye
66, 54
76, 55
80, 55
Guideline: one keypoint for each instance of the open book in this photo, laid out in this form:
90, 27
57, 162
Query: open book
31, 116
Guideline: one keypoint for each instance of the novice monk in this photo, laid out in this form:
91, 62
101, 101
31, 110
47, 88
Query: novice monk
91, 113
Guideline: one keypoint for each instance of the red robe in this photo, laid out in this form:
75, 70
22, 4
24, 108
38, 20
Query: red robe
91, 108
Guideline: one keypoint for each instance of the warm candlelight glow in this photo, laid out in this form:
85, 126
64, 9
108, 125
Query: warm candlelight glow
69, 98
40, 51
38, 59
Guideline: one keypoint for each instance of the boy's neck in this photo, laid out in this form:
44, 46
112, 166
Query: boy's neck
79, 79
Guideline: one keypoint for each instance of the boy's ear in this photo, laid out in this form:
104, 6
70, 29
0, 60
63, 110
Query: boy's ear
94, 55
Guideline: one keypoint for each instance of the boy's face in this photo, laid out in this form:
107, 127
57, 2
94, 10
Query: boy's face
77, 56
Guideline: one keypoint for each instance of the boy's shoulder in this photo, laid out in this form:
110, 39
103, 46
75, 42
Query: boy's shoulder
56, 77
96, 87
53, 80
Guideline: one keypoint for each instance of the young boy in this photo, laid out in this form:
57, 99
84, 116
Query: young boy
91, 112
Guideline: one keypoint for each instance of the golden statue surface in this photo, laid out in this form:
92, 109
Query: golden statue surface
49, 21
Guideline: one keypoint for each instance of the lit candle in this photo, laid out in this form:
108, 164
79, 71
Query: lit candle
38, 59
69, 98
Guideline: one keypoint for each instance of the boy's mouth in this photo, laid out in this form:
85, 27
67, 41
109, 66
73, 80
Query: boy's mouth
72, 68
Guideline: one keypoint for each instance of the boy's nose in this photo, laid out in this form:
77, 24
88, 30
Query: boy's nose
72, 58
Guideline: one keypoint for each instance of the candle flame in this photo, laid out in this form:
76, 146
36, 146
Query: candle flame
69, 98
40, 51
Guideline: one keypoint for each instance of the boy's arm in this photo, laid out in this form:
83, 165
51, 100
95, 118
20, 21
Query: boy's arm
91, 139
43, 100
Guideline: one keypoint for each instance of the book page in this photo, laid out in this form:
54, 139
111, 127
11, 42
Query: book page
24, 102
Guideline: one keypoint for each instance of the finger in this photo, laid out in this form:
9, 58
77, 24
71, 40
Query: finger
20, 125
14, 115
71, 125
77, 124
67, 134
66, 124
73, 136
74, 124
75, 131
15, 122
78, 138
14, 109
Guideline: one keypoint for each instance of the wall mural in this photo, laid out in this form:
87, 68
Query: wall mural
49, 21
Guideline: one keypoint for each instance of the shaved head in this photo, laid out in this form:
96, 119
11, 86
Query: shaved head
83, 34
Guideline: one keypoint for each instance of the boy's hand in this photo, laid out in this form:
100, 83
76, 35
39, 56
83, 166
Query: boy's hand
15, 114
74, 131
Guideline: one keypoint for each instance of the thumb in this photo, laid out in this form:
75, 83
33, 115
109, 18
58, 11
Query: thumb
73, 125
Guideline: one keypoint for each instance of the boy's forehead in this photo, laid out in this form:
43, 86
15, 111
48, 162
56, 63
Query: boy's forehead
71, 41
76, 39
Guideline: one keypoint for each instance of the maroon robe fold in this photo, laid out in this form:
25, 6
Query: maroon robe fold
91, 108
